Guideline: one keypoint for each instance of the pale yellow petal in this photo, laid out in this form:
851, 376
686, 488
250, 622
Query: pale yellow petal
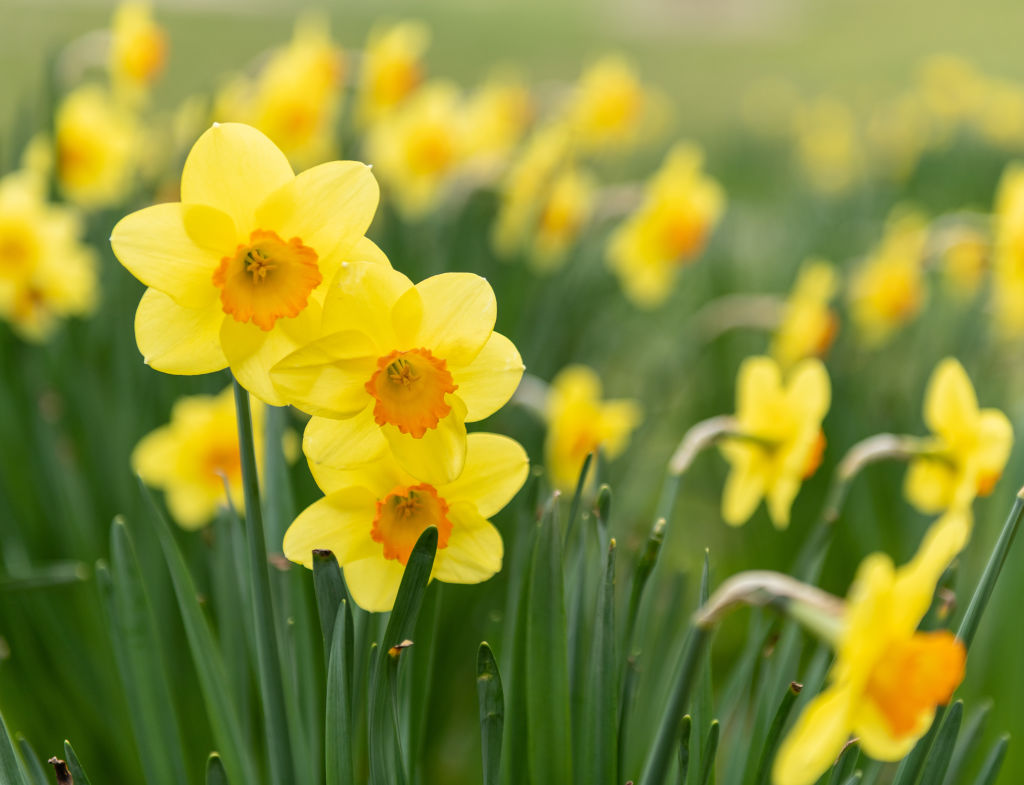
340, 443
618, 419
373, 583
877, 740
154, 457
929, 484
191, 507
809, 390
995, 440
475, 548
361, 298
328, 377
779, 499
179, 340
440, 454
744, 487
758, 379
234, 167
816, 739
950, 403
496, 468
341, 522
459, 310
487, 383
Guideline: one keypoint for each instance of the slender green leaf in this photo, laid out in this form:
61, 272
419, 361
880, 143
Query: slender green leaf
77, 772
993, 763
492, 712
34, 771
942, 749
340, 768
515, 741
843, 768
703, 707
684, 749
601, 711
771, 742
710, 748
574, 507
47, 575
854, 778
215, 772
330, 593
10, 769
966, 744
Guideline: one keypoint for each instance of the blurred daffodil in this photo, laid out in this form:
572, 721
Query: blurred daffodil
564, 213
1008, 262
778, 441
889, 289
238, 269
391, 68
400, 366
372, 516
138, 50
969, 448
681, 206
887, 678
46, 272
827, 145
809, 324
965, 261
495, 118
580, 421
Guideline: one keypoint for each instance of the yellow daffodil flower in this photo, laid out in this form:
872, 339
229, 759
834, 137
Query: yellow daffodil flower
809, 324
419, 149
372, 516
681, 206
779, 439
400, 366
495, 118
887, 678
889, 290
969, 448
965, 262
97, 148
238, 269
827, 145
1008, 262
46, 272
196, 455
579, 422
563, 217
391, 68
138, 49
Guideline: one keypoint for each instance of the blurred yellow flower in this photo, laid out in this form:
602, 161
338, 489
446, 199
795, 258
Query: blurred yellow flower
238, 269
564, 213
138, 50
887, 678
828, 147
681, 206
969, 448
400, 366
579, 422
296, 98
496, 116
391, 68
889, 289
809, 324
98, 145
46, 272
1008, 254
372, 516
195, 455
965, 261
779, 441
419, 149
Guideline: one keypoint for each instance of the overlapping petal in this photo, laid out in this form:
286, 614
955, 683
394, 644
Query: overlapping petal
459, 310
816, 739
327, 377
439, 455
340, 522
350, 442
475, 550
179, 340
496, 468
487, 383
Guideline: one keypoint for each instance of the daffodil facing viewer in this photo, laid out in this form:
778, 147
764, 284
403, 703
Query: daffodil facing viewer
778, 439
809, 324
237, 270
372, 516
400, 367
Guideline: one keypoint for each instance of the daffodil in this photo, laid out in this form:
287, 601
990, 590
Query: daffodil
968, 450
98, 146
887, 678
402, 367
965, 262
564, 213
495, 118
237, 271
671, 226
579, 421
808, 324
372, 516
46, 271
778, 440
138, 49
889, 289
391, 68
1008, 253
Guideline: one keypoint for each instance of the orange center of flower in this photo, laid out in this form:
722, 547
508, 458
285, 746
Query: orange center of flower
267, 279
395, 79
815, 455
828, 334
987, 482
404, 514
430, 151
409, 388
899, 296
222, 462
914, 676
683, 235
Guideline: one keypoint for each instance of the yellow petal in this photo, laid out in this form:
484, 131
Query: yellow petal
459, 310
175, 248
373, 583
361, 298
950, 404
339, 443
179, 340
619, 418
815, 740
487, 383
154, 457
475, 549
234, 167
744, 487
758, 379
995, 440
929, 485
496, 468
329, 207
779, 499
328, 377
877, 740
439, 455
809, 390
340, 522
365, 250
190, 507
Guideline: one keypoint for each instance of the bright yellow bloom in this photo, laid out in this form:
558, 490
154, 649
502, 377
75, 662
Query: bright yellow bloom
579, 422
195, 455
400, 366
779, 439
98, 146
1008, 262
563, 216
419, 149
138, 49
495, 117
887, 678
809, 324
889, 289
965, 262
681, 206
296, 98
827, 146
237, 271
391, 68
611, 110
969, 447
46, 272
372, 516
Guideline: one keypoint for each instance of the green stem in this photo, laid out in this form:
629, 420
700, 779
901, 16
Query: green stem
267, 654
